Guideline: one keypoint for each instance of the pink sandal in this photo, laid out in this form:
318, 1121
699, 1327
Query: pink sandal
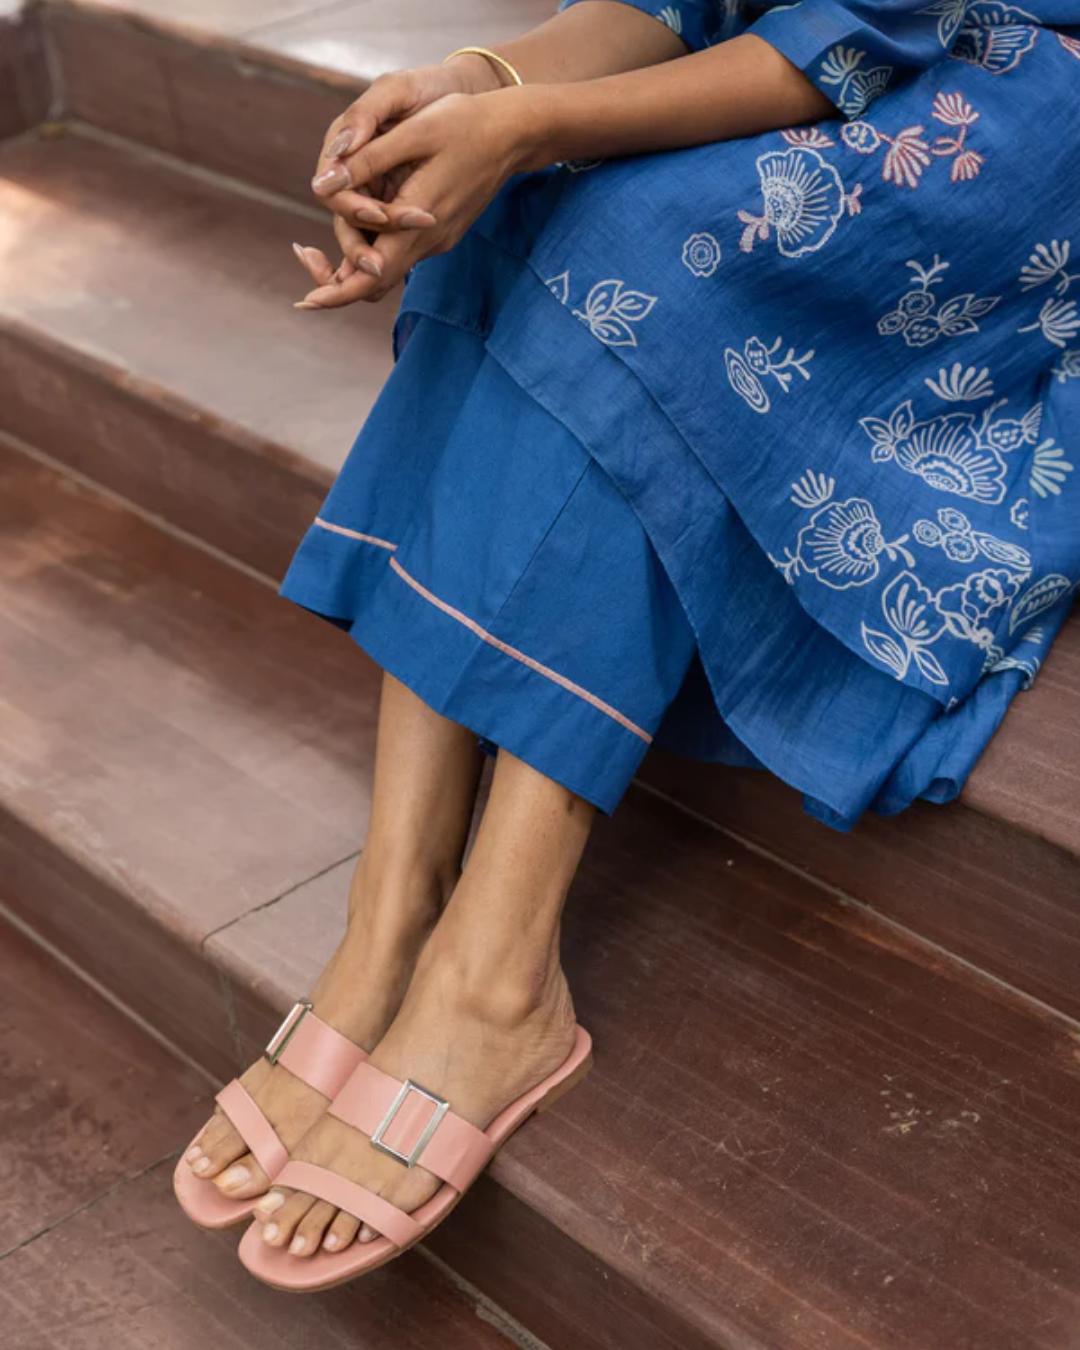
319, 1056
412, 1125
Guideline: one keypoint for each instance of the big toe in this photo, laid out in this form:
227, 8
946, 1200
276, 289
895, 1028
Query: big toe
243, 1179
216, 1148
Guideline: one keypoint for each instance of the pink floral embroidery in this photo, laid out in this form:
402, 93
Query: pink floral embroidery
813, 137
1071, 45
909, 154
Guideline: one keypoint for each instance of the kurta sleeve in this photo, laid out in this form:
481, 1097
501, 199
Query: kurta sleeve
852, 50
697, 22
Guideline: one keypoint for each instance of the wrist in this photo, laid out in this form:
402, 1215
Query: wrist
531, 119
476, 74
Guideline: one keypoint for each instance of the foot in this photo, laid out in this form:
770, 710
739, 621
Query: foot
357, 994
480, 1040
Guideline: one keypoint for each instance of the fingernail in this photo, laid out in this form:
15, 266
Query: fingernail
297, 1246
235, 1176
367, 1234
371, 266
271, 1201
338, 176
412, 220
298, 249
341, 143
270, 1232
203, 1165
371, 215
305, 304
193, 1153
331, 1241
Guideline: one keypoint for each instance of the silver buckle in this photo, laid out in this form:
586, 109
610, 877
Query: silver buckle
441, 1107
284, 1034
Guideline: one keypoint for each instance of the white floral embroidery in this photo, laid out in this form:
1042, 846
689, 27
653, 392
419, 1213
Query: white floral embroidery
1049, 263
560, 287
805, 200
1068, 366
1058, 322
966, 606
743, 370
672, 17
1040, 597
995, 36
962, 385
908, 607
812, 489
922, 319
1026, 661
958, 539
1049, 469
610, 309
580, 165
856, 85
950, 18
948, 453
701, 253
842, 546
1020, 513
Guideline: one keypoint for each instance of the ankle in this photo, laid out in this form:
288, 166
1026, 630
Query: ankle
502, 987
399, 894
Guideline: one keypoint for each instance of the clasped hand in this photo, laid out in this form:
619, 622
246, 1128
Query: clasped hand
405, 171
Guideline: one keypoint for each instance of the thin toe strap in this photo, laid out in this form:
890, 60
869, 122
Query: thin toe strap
253, 1127
393, 1223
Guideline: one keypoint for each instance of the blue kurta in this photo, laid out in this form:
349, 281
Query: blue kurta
835, 373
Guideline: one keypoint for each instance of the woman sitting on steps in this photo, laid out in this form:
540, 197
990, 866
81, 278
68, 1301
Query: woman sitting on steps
735, 408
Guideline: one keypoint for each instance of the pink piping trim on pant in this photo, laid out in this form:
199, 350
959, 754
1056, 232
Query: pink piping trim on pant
487, 637
507, 650
353, 534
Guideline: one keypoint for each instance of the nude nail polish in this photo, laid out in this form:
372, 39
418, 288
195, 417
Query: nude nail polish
270, 1202
412, 220
234, 1177
297, 1246
371, 266
193, 1154
270, 1232
332, 179
341, 144
304, 304
203, 1165
371, 215
331, 1241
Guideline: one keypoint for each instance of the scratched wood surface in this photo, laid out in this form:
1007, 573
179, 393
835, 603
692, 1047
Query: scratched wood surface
97, 1255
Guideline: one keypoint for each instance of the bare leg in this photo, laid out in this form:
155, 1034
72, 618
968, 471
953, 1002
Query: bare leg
426, 773
488, 1013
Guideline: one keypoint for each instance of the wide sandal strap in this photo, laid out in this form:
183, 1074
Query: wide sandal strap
311, 1049
253, 1127
393, 1223
413, 1125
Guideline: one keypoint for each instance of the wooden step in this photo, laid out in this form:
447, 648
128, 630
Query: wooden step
148, 340
26, 95
249, 87
804, 1129
96, 1254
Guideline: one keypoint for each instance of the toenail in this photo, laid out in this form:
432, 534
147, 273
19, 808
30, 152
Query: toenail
270, 1232
367, 1234
203, 1165
331, 1241
234, 1177
193, 1153
271, 1200
297, 1246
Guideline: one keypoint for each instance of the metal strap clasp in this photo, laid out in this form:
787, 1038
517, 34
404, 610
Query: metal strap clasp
441, 1106
284, 1034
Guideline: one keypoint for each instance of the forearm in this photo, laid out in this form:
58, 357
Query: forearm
738, 88
585, 42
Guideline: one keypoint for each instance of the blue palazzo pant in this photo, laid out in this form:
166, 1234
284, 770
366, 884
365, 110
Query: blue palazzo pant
477, 552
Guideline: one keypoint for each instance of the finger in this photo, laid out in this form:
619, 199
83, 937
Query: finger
378, 215
386, 99
401, 145
315, 263
358, 252
359, 286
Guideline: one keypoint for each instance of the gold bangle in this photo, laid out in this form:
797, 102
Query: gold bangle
491, 56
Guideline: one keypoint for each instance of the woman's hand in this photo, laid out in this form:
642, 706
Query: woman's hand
449, 159
391, 99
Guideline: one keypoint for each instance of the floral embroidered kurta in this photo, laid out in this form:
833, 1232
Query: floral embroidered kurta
836, 372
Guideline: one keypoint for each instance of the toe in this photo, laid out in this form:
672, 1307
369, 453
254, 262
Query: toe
341, 1232
281, 1229
311, 1228
269, 1205
221, 1146
367, 1233
243, 1180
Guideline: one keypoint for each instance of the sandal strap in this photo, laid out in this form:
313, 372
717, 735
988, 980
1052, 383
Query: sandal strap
413, 1125
393, 1223
311, 1049
253, 1127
